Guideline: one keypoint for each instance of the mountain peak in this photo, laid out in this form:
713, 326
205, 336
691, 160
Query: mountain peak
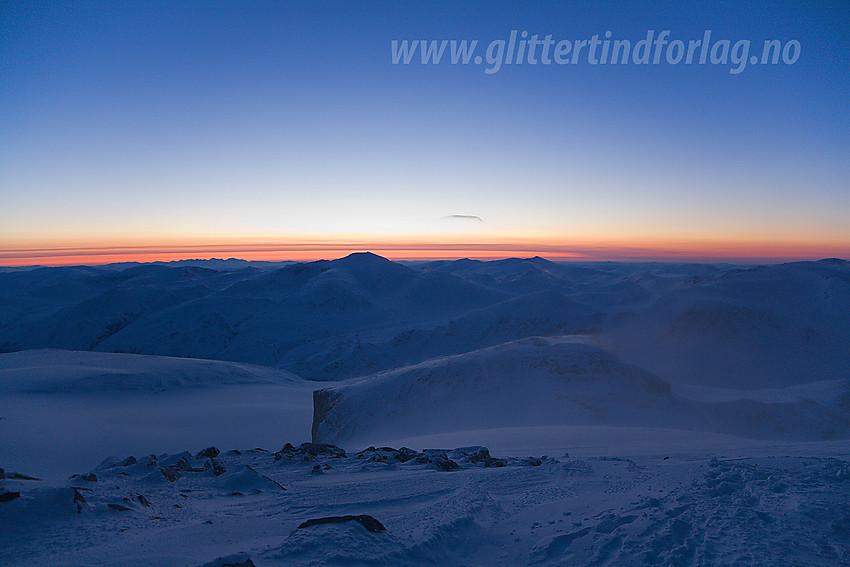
365, 256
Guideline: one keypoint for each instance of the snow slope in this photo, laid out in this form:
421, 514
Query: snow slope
763, 327
522, 383
61, 411
561, 381
52, 371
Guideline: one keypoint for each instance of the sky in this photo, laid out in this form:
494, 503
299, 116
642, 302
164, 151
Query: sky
284, 130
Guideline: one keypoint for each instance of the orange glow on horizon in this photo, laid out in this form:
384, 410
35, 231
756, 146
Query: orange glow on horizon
628, 250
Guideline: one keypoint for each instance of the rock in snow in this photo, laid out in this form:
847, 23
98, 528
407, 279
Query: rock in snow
368, 522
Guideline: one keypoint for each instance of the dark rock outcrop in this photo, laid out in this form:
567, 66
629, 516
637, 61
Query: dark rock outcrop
480, 456
382, 454
208, 453
91, 477
9, 496
19, 476
438, 460
323, 402
215, 465
79, 500
170, 474
310, 450
368, 522
184, 465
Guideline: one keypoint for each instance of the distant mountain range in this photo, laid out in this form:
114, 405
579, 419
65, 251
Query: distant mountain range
330, 320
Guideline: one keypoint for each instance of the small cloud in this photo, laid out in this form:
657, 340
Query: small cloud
465, 217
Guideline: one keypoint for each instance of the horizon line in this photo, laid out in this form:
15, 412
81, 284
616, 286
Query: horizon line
305, 252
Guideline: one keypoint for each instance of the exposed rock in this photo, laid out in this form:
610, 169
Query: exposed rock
443, 463
481, 455
118, 508
170, 474
79, 500
315, 449
215, 465
19, 476
438, 460
2, 474
143, 501
382, 454
184, 465
238, 560
368, 522
91, 477
405, 454
208, 453
310, 450
9, 496
323, 403
78, 496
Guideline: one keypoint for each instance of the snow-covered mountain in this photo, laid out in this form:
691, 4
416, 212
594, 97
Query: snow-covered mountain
762, 327
664, 414
530, 382
561, 381
330, 320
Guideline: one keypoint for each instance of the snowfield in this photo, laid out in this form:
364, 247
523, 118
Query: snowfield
62, 410
772, 506
514, 412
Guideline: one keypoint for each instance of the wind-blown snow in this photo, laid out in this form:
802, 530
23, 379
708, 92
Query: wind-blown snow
52, 371
637, 505
635, 414
562, 381
62, 411
522, 383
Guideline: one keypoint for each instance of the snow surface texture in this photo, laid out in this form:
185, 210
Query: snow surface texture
447, 507
691, 414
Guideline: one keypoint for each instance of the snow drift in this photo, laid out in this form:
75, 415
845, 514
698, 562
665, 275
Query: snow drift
53, 371
562, 381
526, 382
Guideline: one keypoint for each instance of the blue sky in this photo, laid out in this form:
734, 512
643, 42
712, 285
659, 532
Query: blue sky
191, 123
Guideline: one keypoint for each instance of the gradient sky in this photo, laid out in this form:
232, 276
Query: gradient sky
282, 130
